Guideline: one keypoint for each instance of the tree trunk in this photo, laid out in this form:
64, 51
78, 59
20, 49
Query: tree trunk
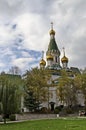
4, 119
85, 103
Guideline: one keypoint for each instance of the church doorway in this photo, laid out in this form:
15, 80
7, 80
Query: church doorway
52, 104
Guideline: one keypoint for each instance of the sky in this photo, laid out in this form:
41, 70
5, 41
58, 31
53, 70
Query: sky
24, 31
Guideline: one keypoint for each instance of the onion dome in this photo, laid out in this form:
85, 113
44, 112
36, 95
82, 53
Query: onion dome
49, 57
42, 62
64, 59
52, 32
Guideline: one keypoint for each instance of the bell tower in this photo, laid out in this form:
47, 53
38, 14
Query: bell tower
53, 53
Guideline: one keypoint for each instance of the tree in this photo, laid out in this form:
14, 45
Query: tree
36, 83
9, 94
83, 87
80, 82
30, 102
15, 70
66, 90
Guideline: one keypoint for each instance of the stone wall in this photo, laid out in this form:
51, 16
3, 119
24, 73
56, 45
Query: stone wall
35, 116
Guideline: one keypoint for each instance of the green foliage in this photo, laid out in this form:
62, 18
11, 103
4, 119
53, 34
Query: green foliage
69, 110
36, 82
66, 90
58, 109
0, 107
44, 110
9, 94
30, 102
80, 82
12, 117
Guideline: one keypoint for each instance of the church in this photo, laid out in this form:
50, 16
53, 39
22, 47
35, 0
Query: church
53, 64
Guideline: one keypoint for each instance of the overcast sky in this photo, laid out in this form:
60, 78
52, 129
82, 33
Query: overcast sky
24, 31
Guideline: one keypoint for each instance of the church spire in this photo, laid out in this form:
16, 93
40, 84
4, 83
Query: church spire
52, 44
53, 53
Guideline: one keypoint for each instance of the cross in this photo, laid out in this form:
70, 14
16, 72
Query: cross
52, 25
42, 54
64, 51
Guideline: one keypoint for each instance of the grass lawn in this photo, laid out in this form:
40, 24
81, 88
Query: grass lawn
52, 124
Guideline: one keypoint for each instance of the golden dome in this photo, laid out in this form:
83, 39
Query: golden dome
52, 32
42, 62
64, 59
49, 57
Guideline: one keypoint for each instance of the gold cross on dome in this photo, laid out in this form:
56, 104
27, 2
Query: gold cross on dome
52, 25
42, 54
64, 51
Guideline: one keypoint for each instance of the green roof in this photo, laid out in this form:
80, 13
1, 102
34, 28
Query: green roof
54, 67
52, 45
75, 70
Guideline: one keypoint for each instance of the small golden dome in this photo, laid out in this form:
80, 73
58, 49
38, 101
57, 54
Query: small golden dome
64, 59
42, 62
49, 57
52, 32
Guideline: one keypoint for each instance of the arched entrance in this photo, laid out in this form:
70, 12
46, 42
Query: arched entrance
52, 105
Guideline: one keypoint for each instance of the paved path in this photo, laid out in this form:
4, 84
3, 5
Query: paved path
78, 117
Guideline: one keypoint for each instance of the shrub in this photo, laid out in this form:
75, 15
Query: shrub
12, 117
44, 110
58, 109
69, 110
0, 118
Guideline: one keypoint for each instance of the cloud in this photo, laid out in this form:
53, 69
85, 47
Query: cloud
24, 30
21, 62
